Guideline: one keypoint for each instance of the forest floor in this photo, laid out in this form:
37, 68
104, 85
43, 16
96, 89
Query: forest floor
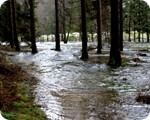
16, 97
16, 86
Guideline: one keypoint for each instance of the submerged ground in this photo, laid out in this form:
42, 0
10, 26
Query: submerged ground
72, 89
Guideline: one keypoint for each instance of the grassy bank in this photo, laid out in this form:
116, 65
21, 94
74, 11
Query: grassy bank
16, 98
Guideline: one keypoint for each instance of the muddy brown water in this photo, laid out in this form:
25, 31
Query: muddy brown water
71, 89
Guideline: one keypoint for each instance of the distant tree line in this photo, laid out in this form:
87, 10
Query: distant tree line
18, 21
105, 18
136, 16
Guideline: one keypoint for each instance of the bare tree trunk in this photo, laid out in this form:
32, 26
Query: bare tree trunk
115, 57
69, 28
147, 37
139, 35
121, 26
14, 30
142, 37
139, 25
134, 22
99, 25
32, 27
57, 37
129, 26
134, 36
84, 31
47, 38
11, 21
64, 24
92, 36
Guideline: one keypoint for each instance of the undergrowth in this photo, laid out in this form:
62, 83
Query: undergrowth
16, 98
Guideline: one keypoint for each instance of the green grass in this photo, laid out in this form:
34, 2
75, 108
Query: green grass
24, 108
16, 93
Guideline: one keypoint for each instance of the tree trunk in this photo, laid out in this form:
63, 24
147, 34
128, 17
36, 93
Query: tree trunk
142, 37
32, 27
92, 36
69, 28
139, 25
84, 31
134, 36
57, 37
14, 30
47, 38
139, 35
147, 37
99, 25
11, 21
121, 26
129, 39
64, 24
115, 57
134, 21
147, 30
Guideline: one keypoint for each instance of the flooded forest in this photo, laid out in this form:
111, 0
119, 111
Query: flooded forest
75, 60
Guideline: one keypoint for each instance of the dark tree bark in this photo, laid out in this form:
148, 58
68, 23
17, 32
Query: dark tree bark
139, 34
115, 57
32, 27
134, 21
11, 22
129, 24
129, 27
134, 35
147, 37
147, 30
84, 31
64, 24
121, 26
14, 20
57, 37
139, 24
142, 37
99, 25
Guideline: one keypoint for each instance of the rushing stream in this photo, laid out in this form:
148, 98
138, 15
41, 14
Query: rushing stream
72, 89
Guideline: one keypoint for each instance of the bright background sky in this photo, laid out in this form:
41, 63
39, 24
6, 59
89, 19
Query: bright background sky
1, 1
148, 1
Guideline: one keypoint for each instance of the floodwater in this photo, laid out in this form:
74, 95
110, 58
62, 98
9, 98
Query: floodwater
72, 89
